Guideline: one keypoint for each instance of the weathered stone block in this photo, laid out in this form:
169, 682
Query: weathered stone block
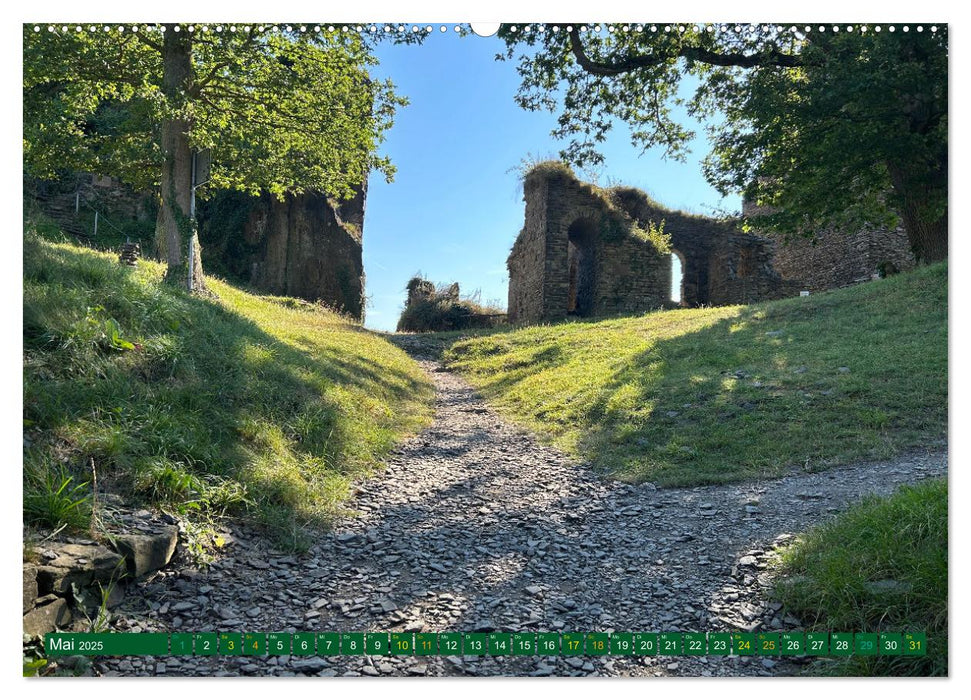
78, 564
30, 586
47, 618
145, 553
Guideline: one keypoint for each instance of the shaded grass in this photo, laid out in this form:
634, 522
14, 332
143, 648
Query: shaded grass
712, 395
879, 567
233, 402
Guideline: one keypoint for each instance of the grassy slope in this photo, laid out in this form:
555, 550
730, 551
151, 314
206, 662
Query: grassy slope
713, 395
828, 575
221, 399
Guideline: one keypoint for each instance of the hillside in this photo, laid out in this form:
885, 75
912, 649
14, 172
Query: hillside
237, 402
711, 395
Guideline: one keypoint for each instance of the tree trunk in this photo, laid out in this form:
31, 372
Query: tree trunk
174, 229
925, 224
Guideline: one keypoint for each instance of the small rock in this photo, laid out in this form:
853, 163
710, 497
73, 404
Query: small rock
145, 553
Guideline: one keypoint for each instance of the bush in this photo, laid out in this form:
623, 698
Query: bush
430, 310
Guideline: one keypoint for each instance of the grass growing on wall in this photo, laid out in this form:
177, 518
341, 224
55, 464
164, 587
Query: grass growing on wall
712, 395
236, 402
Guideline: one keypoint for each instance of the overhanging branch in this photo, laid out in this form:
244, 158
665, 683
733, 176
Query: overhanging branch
772, 57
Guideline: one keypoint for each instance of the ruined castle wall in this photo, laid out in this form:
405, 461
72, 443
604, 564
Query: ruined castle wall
720, 264
626, 273
527, 261
305, 246
633, 277
834, 259
304, 249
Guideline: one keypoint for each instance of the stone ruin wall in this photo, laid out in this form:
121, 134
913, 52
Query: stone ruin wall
721, 265
834, 259
71, 201
620, 273
306, 246
527, 262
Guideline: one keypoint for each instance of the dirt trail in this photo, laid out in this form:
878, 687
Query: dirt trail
474, 526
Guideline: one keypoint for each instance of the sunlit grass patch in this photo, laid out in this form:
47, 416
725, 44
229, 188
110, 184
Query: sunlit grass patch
235, 401
710, 395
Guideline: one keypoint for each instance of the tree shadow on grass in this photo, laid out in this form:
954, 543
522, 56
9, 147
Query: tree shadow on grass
800, 384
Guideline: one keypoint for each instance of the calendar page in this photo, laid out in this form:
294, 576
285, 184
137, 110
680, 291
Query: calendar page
459, 349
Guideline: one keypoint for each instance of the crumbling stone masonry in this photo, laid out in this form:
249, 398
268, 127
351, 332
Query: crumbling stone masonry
583, 252
834, 259
307, 246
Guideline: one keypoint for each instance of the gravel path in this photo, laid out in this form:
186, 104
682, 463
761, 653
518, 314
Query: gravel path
474, 526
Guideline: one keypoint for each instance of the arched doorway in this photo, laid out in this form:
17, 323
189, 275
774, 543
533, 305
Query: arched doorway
582, 267
677, 277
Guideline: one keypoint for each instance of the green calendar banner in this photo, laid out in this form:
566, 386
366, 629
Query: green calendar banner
499, 644
106, 644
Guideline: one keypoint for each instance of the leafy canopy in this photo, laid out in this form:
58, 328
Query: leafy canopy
281, 111
829, 127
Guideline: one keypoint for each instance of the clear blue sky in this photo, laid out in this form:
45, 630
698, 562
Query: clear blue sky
455, 206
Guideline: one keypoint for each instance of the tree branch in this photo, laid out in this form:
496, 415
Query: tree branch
773, 57
145, 40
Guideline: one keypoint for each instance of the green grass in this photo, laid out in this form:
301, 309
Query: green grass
712, 395
828, 577
235, 402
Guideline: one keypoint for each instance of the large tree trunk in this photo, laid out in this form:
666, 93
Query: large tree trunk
174, 229
926, 225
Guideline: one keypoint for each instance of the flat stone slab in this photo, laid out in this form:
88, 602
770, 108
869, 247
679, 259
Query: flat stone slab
81, 565
30, 586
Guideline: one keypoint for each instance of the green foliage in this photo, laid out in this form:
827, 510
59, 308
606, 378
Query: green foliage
281, 111
830, 577
233, 403
53, 498
33, 666
829, 129
696, 396
849, 139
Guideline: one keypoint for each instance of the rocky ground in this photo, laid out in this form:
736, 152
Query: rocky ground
474, 526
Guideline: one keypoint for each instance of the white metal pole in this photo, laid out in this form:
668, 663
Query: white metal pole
96, 224
192, 217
